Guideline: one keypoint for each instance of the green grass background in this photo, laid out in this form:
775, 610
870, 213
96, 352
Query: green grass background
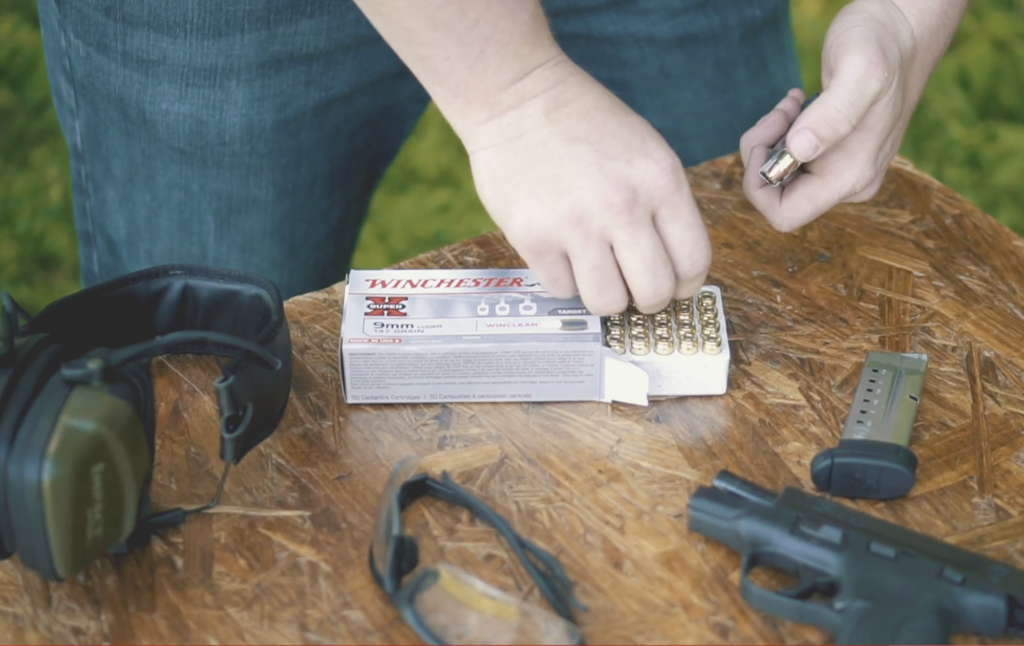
968, 132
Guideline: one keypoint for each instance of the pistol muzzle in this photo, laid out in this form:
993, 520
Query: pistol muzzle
728, 481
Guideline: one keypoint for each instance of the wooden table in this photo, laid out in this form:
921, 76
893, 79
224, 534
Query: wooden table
605, 487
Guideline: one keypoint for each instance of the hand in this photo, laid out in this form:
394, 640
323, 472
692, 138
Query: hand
877, 58
589, 194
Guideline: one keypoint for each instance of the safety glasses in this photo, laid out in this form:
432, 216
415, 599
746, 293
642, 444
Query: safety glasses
445, 605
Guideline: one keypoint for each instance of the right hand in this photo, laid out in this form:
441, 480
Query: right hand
588, 193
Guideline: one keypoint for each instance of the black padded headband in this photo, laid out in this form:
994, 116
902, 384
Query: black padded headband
185, 309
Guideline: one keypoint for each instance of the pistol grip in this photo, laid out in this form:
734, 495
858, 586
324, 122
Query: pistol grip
892, 623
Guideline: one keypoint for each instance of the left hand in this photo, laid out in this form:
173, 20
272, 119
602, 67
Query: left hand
877, 58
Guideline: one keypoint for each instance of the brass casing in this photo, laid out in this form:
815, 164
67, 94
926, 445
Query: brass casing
688, 344
712, 344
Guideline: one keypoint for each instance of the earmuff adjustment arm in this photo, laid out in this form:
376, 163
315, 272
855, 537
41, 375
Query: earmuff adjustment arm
216, 495
11, 317
168, 518
89, 371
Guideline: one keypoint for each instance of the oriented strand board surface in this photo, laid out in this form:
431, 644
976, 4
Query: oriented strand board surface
604, 487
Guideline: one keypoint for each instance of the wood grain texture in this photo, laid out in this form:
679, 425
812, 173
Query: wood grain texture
604, 487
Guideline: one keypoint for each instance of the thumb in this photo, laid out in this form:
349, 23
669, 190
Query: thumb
858, 81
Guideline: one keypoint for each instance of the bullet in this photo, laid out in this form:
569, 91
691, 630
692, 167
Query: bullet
688, 343
712, 344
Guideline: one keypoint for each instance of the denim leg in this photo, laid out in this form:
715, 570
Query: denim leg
701, 71
244, 133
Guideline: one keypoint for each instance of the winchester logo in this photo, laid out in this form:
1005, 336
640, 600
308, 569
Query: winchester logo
94, 512
385, 305
494, 282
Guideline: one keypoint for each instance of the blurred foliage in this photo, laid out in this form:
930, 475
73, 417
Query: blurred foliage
968, 132
38, 249
425, 200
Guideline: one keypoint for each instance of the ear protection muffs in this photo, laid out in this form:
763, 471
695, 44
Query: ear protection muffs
77, 405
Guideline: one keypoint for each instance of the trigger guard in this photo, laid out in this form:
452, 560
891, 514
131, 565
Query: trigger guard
807, 579
806, 585
778, 602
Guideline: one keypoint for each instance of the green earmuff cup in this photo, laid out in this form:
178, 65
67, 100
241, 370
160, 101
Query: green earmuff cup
74, 461
76, 475
37, 360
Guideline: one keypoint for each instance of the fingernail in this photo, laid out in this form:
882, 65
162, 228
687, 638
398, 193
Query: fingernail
803, 145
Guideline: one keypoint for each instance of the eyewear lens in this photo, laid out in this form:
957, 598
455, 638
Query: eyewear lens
461, 609
389, 520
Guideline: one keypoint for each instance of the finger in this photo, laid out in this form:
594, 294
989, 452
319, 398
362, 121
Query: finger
873, 170
546, 258
858, 81
765, 198
685, 239
772, 126
804, 199
796, 93
869, 191
600, 282
554, 272
645, 265
790, 104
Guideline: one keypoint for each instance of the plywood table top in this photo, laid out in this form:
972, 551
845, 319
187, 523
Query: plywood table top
604, 487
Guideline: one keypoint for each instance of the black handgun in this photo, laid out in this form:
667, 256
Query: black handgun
879, 583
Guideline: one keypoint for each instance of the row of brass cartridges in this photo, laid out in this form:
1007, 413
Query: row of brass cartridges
615, 336
710, 330
635, 328
638, 334
632, 327
643, 328
705, 314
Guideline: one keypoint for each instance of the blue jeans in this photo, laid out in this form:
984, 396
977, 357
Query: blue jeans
251, 134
